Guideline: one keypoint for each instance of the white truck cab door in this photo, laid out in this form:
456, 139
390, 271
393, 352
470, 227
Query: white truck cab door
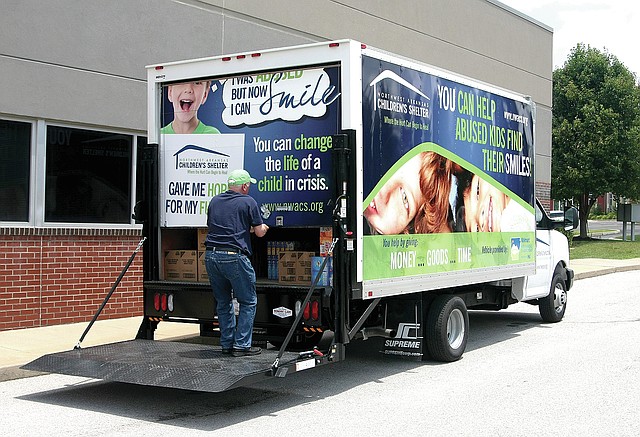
538, 284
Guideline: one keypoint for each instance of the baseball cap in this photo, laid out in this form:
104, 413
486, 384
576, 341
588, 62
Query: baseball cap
239, 177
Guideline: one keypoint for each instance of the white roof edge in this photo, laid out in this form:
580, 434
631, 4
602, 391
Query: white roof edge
520, 14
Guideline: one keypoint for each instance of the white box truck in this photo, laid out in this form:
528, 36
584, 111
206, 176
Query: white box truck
398, 195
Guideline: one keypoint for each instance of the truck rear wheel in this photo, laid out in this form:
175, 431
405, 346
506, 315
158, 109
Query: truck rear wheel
553, 306
447, 328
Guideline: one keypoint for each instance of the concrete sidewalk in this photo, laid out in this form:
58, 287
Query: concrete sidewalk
18, 347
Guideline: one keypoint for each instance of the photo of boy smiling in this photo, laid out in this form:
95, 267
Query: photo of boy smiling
187, 99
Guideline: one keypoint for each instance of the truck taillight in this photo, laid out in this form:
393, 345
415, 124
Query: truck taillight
170, 302
163, 302
311, 310
298, 307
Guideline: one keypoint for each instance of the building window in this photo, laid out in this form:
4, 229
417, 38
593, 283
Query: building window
88, 176
15, 149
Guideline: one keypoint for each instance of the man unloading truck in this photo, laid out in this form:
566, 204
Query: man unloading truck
231, 218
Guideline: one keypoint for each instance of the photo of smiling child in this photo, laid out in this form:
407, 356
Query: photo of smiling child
415, 199
484, 208
186, 99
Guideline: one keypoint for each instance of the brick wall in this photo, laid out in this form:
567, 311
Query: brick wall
543, 193
51, 279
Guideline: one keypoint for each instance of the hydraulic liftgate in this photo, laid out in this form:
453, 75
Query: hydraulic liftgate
173, 364
203, 367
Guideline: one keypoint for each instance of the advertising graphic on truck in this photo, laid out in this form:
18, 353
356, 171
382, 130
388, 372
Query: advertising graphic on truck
277, 126
456, 190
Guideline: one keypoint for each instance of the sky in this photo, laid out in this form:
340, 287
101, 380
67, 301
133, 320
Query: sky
613, 25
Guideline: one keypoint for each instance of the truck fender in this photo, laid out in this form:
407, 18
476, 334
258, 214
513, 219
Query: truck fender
565, 273
552, 307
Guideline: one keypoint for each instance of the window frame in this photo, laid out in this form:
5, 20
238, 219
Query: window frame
32, 179
37, 177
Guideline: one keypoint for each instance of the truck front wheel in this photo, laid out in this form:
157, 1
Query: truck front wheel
447, 328
553, 306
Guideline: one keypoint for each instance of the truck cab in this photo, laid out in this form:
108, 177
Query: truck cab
553, 278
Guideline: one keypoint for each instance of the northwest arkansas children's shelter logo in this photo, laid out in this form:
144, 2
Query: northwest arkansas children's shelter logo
193, 156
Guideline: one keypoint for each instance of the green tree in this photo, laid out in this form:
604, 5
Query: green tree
596, 130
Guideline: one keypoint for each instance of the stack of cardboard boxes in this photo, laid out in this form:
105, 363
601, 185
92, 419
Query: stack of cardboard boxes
187, 265
286, 265
300, 268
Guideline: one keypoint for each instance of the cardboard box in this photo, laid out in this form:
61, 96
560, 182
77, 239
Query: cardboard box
202, 235
188, 265
203, 276
181, 265
294, 267
171, 270
303, 279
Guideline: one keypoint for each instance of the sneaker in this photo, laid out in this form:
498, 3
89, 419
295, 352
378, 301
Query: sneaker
226, 351
246, 352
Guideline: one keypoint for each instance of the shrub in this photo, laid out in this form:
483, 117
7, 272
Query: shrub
568, 234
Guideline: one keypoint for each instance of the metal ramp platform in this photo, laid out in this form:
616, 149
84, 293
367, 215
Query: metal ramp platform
164, 364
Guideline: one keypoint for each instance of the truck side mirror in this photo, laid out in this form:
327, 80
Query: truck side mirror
571, 219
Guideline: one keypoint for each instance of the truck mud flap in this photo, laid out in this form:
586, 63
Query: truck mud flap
168, 364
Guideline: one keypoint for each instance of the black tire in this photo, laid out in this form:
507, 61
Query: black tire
447, 328
553, 306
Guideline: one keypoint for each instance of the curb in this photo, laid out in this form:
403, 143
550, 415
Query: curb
605, 271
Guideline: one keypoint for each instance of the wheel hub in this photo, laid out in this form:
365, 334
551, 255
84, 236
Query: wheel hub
455, 328
559, 298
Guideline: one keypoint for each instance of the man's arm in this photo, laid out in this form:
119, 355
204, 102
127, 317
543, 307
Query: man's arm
260, 230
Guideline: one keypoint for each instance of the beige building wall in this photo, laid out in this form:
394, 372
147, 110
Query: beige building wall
82, 61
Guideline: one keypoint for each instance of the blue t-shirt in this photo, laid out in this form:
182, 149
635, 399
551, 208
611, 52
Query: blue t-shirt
229, 218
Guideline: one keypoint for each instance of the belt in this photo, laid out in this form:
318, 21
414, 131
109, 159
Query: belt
223, 249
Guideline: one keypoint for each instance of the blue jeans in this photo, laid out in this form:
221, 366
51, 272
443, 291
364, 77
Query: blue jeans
232, 275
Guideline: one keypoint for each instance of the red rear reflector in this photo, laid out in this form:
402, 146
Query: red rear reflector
156, 301
241, 56
315, 310
226, 58
159, 67
163, 302
306, 311
255, 55
334, 44
363, 46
